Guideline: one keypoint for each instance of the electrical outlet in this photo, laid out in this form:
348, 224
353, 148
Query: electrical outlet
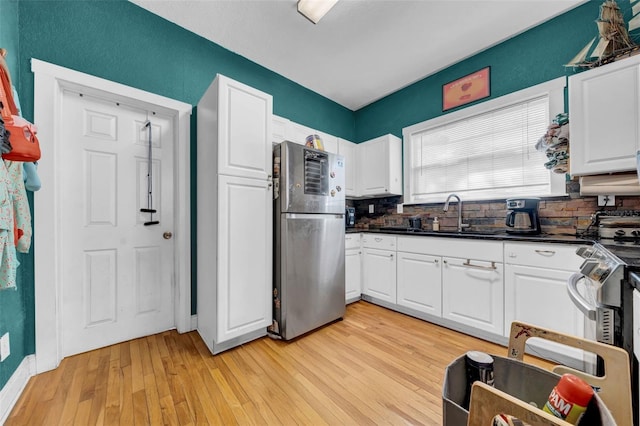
399, 208
5, 347
371, 208
606, 200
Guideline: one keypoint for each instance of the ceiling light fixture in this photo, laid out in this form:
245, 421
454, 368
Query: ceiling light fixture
314, 10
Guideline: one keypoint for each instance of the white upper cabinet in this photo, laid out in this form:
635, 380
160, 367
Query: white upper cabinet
373, 168
348, 151
279, 129
244, 123
298, 133
604, 118
380, 166
330, 142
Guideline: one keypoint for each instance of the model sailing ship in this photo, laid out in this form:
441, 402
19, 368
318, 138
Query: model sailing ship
613, 40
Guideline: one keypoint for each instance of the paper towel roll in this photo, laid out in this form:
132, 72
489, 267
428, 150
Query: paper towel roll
622, 184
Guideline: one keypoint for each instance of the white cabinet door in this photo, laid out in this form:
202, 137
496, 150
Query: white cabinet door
244, 285
330, 142
353, 275
348, 151
373, 167
243, 129
380, 166
604, 108
472, 293
298, 133
419, 282
539, 296
379, 274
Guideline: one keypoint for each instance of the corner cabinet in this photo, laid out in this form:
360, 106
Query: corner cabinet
234, 188
604, 118
380, 166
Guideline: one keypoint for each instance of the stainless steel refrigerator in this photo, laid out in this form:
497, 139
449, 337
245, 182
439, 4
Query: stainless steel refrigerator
309, 228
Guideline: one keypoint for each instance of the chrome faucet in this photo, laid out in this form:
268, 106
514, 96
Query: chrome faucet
446, 208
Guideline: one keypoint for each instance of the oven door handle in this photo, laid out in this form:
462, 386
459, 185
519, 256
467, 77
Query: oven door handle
576, 297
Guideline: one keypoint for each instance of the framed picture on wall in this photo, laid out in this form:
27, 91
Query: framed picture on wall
466, 89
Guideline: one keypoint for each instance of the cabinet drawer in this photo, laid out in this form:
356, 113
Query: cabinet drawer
420, 245
553, 256
384, 242
351, 241
455, 247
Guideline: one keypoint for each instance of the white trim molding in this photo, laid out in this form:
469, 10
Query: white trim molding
194, 322
49, 83
13, 389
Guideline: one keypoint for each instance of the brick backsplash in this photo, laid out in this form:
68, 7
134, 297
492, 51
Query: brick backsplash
571, 214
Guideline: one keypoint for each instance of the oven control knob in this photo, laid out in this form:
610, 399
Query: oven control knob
619, 233
635, 232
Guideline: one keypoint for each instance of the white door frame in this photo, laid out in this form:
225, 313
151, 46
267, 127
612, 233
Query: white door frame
49, 83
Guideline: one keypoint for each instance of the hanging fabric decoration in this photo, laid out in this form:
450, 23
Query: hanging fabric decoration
149, 208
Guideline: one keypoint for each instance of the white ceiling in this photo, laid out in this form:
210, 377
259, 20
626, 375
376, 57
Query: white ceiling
362, 50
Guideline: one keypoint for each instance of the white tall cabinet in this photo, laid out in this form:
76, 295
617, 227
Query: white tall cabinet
234, 160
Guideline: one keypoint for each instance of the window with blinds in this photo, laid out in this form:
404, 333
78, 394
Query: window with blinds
486, 155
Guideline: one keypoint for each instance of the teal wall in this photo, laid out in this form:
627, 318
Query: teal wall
533, 57
16, 306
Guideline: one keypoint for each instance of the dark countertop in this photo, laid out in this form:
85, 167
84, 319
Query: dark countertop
478, 235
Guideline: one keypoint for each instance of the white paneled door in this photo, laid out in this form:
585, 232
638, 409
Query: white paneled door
117, 273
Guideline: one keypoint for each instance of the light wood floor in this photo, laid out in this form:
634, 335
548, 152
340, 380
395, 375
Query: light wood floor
374, 367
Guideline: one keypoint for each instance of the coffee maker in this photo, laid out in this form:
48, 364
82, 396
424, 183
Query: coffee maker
522, 216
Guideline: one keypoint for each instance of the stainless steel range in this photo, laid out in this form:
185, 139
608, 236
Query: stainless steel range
603, 291
596, 290
620, 225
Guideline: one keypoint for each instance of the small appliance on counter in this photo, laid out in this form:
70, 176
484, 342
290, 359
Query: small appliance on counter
522, 217
350, 217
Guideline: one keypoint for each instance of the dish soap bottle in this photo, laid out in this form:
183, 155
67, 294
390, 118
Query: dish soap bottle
436, 224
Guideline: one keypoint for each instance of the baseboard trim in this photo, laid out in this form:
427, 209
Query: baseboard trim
13, 389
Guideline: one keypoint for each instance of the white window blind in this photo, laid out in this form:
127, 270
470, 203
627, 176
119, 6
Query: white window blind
487, 155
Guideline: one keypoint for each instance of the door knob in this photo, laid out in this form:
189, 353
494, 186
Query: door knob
167, 235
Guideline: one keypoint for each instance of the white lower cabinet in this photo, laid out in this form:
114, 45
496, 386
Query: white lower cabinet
472, 293
379, 274
419, 282
352, 267
379, 266
536, 292
479, 285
